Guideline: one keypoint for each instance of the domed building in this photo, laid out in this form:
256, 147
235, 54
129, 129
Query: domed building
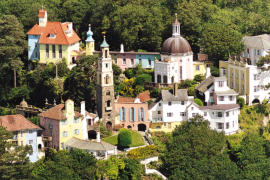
176, 62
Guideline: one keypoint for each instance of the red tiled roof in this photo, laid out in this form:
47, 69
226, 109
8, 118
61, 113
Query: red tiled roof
56, 28
125, 99
220, 107
16, 123
57, 113
41, 13
144, 96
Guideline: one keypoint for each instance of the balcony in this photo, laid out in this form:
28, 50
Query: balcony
46, 138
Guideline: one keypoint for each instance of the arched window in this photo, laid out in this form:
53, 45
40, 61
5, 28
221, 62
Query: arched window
165, 79
141, 114
123, 114
108, 103
107, 79
132, 114
108, 93
106, 53
172, 79
158, 78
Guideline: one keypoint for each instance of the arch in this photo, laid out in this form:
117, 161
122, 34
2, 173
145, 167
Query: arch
141, 127
73, 60
108, 103
165, 79
39, 146
129, 127
109, 125
106, 53
107, 78
108, 93
158, 78
92, 134
256, 101
172, 79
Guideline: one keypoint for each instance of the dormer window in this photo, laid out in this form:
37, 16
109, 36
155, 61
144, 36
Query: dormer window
52, 35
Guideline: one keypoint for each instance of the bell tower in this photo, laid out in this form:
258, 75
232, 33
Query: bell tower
105, 87
90, 43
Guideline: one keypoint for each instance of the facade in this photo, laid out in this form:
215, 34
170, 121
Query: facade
52, 41
201, 64
176, 62
25, 132
133, 111
60, 123
250, 81
105, 87
255, 47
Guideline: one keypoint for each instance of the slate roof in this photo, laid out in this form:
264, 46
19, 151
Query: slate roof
221, 107
229, 91
261, 41
57, 112
56, 28
89, 145
205, 84
181, 95
16, 123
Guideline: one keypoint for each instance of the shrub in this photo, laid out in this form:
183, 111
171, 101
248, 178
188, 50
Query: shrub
104, 132
241, 101
191, 91
214, 71
143, 152
198, 101
198, 78
155, 93
124, 138
142, 78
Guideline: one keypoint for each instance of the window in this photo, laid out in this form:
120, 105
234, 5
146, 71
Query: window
164, 124
192, 108
182, 113
219, 114
30, 131
231, 98
123, 114
64, 133
181, 72
124, 61
107, 79
106, 65
254, 52
247, 50
227, 114
159, 104
159, 112
21, 133
158, 78
197, 67
170, 114
53, 51
220, 125
30, 142
108, 103
170, 103
62, 145
223, 71
194, 114
47, 50
182, 102
141, 114
158, 127
165, 79
149, 62
220, 83
227, 125
76, 131
221, 98
205, 113
132, 115
108, 93
64, 122
132, 61
52, 36
256, 77
258, 52
106, 53
60, 51
233, 124
256, 88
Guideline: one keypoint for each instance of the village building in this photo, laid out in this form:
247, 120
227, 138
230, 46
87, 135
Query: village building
133, 111
201, 64
176, 62
52, 41
24, 131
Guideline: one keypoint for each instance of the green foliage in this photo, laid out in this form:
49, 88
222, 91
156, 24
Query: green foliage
143, 78
192, 91
198, 101
198, 78
104, 132
263, 60
241, 101
35, 120
6, 111
155, 93
143, 152
124, 138
133, 170
186, 84
214, 71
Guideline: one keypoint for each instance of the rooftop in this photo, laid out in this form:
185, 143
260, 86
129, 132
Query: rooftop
261, 41
205, 84
221, 107
181, 95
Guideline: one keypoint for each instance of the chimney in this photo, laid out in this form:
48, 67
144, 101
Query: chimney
175, 87
208, 72
83, 108
70, 26
122, 48
98, 137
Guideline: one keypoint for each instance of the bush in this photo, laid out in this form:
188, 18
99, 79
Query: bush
104, 132
214, 71
124, 138
143, 152
198, 101
241, 101
155, 93
191, 91
186, 84
143, 78
198, 78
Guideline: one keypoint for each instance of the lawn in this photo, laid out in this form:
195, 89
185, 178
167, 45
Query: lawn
136, 139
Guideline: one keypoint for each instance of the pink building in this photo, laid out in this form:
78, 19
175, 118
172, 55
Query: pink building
133, 111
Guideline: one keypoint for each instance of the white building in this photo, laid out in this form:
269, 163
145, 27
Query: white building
256, 46
176, 59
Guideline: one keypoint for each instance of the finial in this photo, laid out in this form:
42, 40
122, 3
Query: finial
54, 102
104, 34
89, 25
175, 15
46, 101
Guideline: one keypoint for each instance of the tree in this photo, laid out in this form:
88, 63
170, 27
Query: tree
14, 163
241, 101
133, 169
198, 101
124, 138
196, 151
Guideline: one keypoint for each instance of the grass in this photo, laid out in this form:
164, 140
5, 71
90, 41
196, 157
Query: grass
136, 139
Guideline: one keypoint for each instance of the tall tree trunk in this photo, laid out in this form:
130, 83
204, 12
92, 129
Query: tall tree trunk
15, 83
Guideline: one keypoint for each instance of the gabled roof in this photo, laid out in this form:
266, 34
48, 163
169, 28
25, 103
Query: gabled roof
16, 123
261, 41
181, 95
56, 28
221, 107
205, 84
193, 103
144, 97
89, 145
57, 112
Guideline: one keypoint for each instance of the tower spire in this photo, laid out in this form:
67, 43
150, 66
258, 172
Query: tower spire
90, 42
176, 26
104, 44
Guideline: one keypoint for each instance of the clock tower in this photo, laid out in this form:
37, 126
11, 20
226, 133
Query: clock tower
105, 87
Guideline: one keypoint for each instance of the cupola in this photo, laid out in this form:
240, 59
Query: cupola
89, 35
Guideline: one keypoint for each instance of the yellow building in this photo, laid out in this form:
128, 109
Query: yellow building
62, 123
163, 126
52, 41
248, 80
200, 65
